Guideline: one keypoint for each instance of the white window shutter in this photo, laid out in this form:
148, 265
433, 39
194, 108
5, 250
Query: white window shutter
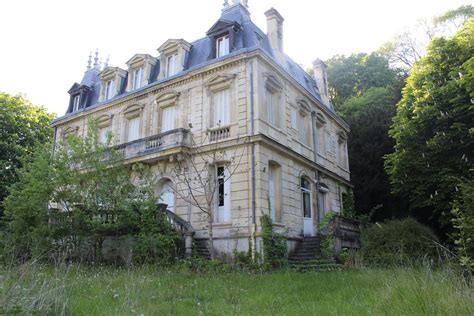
168, 118
221, 108
133, 129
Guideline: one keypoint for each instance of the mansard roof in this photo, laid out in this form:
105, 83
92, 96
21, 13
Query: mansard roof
248, 37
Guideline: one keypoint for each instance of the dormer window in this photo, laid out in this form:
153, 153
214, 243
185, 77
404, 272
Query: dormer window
222, 46
140, 69
109, 90
138, 78
172, 65
75, 103
173, 57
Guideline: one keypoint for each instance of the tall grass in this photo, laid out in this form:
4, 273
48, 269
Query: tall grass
148, 290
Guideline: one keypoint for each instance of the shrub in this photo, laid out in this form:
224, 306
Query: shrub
463, 222
397, 242
274, 244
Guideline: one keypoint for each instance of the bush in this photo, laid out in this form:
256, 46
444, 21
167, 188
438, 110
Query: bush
274, 245
398, 242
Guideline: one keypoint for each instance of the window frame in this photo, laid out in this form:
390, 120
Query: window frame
109, 89
306, 192
222, 215
172, 68
225, 40
137, 84
76, 105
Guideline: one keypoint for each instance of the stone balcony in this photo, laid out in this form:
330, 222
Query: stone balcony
156, 146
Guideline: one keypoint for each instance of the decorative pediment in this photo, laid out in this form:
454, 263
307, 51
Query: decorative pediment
70, 130
342, 137
167, 97
172, 44
272, 81
133, 110
320, 119
303, 104
109, 72
75, 88
104, 120
220, 79
139, 58
221, 26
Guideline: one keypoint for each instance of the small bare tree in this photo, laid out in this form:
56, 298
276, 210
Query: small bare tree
197, 180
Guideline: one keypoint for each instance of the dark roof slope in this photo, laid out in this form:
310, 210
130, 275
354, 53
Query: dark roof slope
247, 38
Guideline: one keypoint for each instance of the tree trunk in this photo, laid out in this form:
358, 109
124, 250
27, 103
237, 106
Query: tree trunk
211, 239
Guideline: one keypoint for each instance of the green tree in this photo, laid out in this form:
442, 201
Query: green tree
66, 206
433, 128
22, 126
353, 75
366, 90
370, 116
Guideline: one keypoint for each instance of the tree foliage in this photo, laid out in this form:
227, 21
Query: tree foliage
22, 126
433, 128
366, 90
352, 76
409, 46
66, 206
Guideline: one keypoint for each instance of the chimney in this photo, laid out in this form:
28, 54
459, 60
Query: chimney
321, 77
275, 30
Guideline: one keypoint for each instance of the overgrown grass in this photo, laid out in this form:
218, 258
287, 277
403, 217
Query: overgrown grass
152, 291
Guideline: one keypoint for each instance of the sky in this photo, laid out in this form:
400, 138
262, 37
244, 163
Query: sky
46, 44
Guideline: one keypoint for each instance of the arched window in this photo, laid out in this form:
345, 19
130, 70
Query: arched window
166, 194
306, 197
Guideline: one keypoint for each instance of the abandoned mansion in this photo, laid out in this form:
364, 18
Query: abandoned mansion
233, 103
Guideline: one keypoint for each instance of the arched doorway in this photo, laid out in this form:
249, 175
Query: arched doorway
166, 194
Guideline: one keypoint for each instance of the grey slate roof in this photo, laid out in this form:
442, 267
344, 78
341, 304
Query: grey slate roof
248, 38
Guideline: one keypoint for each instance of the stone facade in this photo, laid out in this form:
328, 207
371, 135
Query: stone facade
296, 135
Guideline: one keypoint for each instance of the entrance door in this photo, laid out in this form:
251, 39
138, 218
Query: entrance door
308, 226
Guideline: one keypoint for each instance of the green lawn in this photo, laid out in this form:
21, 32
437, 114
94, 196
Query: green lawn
151, 291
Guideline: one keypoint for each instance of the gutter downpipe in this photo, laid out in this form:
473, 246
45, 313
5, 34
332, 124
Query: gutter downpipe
252, 166
316, 173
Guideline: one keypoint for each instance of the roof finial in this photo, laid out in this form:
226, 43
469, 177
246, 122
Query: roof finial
96, 59
89, 62
107, 62
226, 3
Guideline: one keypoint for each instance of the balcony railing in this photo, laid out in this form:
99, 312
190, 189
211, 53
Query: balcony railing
171, 139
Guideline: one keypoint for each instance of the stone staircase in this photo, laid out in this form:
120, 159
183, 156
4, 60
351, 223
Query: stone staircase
201, 248
307, 257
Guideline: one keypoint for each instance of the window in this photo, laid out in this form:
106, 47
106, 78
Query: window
109, 90
270, 100
321, 205
306, 197
294, 115
137, 78
222, 46
167, 195
322, 197
342, 150
168, 118
133, 130
76, 102
172, 65
223, 195
302, 127
103, 135
221, 106
274, 194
